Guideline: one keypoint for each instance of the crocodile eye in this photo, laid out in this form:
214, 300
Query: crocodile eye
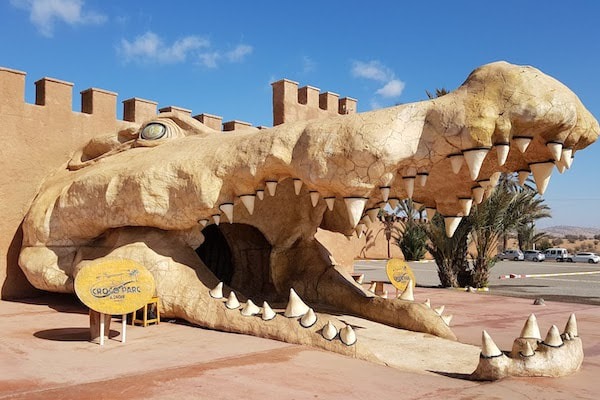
153, 131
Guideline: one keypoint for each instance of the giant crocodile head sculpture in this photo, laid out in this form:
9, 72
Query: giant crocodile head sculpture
156, 195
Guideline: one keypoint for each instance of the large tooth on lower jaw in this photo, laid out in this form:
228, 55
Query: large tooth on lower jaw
488, 347
522, 142
232, 301
271, 187
267, 312
385, 192
407, 293
541, 174
217, 291
217, 219
474, 159
295, 307
409, 185
478, 193
297, 186
248, 200
456, 161
555, 150
308, 319
502, 152
250, 309
355, 207
531, 329
347, 335
451, 224
330, 201
523, 174
329, 331
465, 204
571, 327
314, 197
227, 209
553, 337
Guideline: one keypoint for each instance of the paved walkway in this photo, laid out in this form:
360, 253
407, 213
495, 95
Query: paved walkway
44, 354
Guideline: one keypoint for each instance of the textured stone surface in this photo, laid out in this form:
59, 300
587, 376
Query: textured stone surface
141, 198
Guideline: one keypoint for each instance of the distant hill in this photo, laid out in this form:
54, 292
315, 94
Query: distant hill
561, 231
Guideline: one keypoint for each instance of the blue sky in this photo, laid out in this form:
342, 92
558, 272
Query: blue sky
220, 57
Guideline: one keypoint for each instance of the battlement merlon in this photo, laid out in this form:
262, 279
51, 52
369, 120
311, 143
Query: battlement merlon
291, 103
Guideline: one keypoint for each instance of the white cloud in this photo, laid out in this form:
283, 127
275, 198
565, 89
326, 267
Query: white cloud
391, 89
372, 70
239, 53
209, 60
44, 14
150, 48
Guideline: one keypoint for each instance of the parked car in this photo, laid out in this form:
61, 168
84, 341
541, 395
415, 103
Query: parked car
534, 255
515, 255
557, 254
591, 258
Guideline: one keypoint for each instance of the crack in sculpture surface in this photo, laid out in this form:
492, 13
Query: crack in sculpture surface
146, 194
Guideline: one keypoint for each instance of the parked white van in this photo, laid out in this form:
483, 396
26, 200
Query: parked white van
557, 254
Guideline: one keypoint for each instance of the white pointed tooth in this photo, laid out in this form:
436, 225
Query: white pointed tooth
555, 150
227, 209
567, 156
427, 303
203, 222
260, 193
541, 174
329, 331
267, 312
366, 221
217, 291
502, 153
553, 337
531, 329
250, 309
474, 159
314, 197
271, 187
407, 293
527, 350
522, 143
456, 161
394, 201
372, 213
360, 229
360, 279
451, 224
248, 200
385, 192
488, 347
372, 287
561, 167
430, 211
384, 295
217, 219
295, 307
465, 204
232, 301
439, 310
478, 193
330, 201
308, 319
297, 186
409, 185
494, 178
523, 175
446, 319
422, 178
571, 327
355, 207
347, 335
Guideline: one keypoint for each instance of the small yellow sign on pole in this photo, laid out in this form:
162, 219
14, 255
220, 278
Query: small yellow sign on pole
114, 287
399, 273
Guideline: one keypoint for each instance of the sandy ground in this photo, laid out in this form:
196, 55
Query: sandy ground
45, 354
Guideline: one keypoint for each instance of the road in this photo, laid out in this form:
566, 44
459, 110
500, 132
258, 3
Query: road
581, 288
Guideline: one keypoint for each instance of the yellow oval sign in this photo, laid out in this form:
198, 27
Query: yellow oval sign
399, 273
114, 287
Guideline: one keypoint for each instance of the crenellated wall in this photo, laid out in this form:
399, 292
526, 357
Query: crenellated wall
40, 138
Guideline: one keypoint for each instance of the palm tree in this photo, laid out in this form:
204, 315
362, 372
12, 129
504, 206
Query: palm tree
413, 236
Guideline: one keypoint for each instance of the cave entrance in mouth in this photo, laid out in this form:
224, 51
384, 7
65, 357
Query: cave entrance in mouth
239, 255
